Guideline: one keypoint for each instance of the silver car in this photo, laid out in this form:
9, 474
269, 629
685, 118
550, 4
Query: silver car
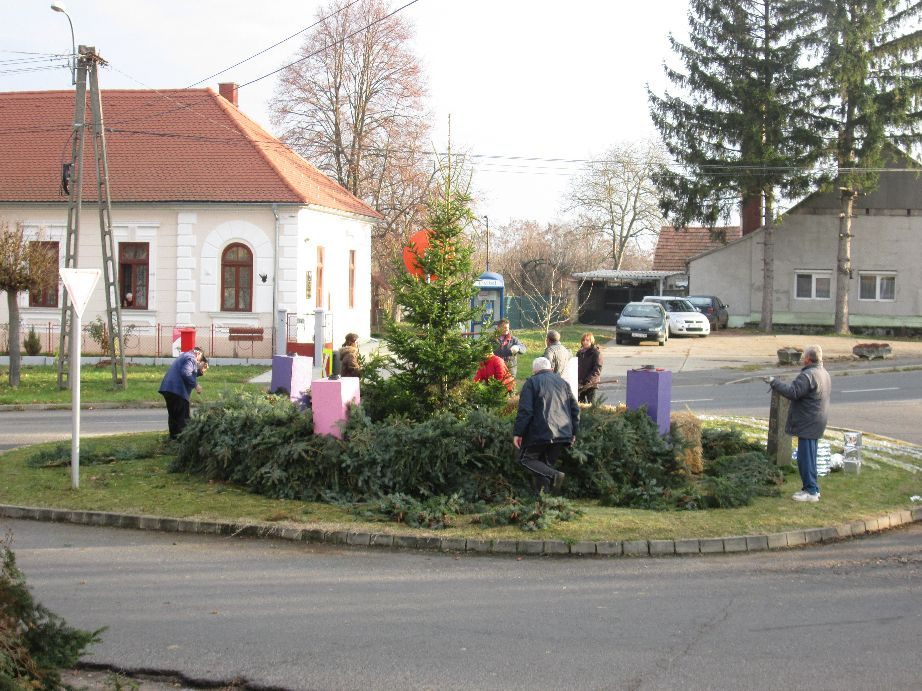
684, 319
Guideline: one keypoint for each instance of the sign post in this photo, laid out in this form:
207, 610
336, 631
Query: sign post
79, 284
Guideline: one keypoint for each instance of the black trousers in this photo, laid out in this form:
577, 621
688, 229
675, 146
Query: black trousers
539, 459
177, 409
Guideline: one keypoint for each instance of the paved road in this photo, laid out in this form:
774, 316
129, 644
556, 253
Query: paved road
292, 616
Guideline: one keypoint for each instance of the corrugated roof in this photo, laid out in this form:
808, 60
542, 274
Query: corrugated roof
612, 275
676, 245
176, 145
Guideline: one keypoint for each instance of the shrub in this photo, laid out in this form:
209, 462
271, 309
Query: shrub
265, 444
35, 644
716, 442
32, 344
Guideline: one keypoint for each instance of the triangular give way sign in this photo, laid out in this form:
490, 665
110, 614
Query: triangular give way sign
80, 284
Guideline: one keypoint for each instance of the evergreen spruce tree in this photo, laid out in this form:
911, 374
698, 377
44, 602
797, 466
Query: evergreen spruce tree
739, 127
432, 355
868, 94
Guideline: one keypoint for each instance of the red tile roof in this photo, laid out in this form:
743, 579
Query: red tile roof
674, 246
176, 145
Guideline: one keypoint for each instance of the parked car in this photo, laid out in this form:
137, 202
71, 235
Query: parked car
684, 319
713, 308
642, 321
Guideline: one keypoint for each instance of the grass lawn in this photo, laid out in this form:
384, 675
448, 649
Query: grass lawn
40, 384
129, 473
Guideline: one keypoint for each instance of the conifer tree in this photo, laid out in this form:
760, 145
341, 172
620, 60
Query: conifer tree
739, 125
869, 94
432, 355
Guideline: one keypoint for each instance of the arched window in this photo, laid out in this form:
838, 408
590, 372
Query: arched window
237, 279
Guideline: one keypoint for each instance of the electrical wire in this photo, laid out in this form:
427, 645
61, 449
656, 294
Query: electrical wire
274, 45
320, 50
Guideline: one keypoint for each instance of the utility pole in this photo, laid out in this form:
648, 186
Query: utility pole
486, 220
87, 70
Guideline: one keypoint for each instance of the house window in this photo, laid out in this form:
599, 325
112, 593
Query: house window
46, 296
134, 273
237, 279
319, 293
351, 279
877, 286
812, 285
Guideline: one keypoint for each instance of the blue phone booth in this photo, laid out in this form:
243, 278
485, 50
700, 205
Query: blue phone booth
490, 294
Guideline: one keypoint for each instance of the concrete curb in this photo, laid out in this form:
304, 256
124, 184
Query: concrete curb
557, 548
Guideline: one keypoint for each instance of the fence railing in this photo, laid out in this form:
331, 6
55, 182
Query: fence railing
145, 340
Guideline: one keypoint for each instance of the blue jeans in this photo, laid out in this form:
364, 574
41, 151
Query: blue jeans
806, 464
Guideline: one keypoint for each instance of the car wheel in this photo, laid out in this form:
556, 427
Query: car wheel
617, 340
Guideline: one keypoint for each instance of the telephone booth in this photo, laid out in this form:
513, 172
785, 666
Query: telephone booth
491, 291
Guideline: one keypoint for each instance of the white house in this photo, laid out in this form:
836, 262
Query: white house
217, 224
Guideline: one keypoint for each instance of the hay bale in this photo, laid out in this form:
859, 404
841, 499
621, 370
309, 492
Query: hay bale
687, 427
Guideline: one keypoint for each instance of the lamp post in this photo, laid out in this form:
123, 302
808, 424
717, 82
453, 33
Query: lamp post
486, 219
58, 6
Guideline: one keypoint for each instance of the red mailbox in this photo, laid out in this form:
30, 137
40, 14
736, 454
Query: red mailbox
186, 340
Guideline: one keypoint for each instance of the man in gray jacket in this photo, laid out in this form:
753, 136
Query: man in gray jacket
556, 352
546, 424
809, 395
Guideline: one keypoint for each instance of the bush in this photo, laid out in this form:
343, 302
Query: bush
32, 344
265, 444
35, 644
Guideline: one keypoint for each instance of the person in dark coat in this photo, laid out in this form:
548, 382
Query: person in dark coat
589, 370
508, 347
547, 423
349, 357
807, 417
178, 384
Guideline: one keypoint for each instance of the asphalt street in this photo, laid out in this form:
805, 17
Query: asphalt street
294, 616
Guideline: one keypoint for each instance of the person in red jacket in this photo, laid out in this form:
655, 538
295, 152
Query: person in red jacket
494, 368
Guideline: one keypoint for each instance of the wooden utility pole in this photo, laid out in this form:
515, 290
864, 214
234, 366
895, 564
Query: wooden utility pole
87, 70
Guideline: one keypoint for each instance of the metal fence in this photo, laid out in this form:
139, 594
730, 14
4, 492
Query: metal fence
144, 340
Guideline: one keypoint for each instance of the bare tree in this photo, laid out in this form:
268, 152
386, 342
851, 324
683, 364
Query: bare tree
354, 106
616, 198
538, 263
24, 265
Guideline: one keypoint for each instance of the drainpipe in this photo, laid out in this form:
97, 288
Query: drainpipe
277, 337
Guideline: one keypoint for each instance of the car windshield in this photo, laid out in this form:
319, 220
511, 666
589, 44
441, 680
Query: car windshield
641, 311
700, 302
679, 306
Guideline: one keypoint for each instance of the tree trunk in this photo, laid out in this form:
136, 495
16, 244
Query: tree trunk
844, 262
15, 362
768, 265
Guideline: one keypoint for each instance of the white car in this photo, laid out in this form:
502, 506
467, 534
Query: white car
684, 319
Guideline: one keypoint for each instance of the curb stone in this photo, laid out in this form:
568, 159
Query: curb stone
629, 548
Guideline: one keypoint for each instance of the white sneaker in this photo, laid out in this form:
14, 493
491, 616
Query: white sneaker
803, 496
797, 494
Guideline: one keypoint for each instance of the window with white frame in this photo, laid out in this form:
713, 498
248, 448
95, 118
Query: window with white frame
880, 286
812, 285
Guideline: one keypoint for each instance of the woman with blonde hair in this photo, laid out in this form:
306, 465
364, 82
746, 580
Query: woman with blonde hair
589, 370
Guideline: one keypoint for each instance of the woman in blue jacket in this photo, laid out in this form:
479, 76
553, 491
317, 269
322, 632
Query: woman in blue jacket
178, 384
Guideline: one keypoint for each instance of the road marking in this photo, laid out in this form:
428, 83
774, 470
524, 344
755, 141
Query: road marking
692, 400
886, 388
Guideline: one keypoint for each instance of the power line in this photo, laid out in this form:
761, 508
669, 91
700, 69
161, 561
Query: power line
320, 50
274, 45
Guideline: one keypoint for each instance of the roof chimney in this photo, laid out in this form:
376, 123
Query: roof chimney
752, 213
229, 91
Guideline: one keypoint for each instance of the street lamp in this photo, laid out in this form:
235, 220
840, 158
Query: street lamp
487, 221
58, 6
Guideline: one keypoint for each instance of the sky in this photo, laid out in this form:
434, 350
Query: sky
532, 88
